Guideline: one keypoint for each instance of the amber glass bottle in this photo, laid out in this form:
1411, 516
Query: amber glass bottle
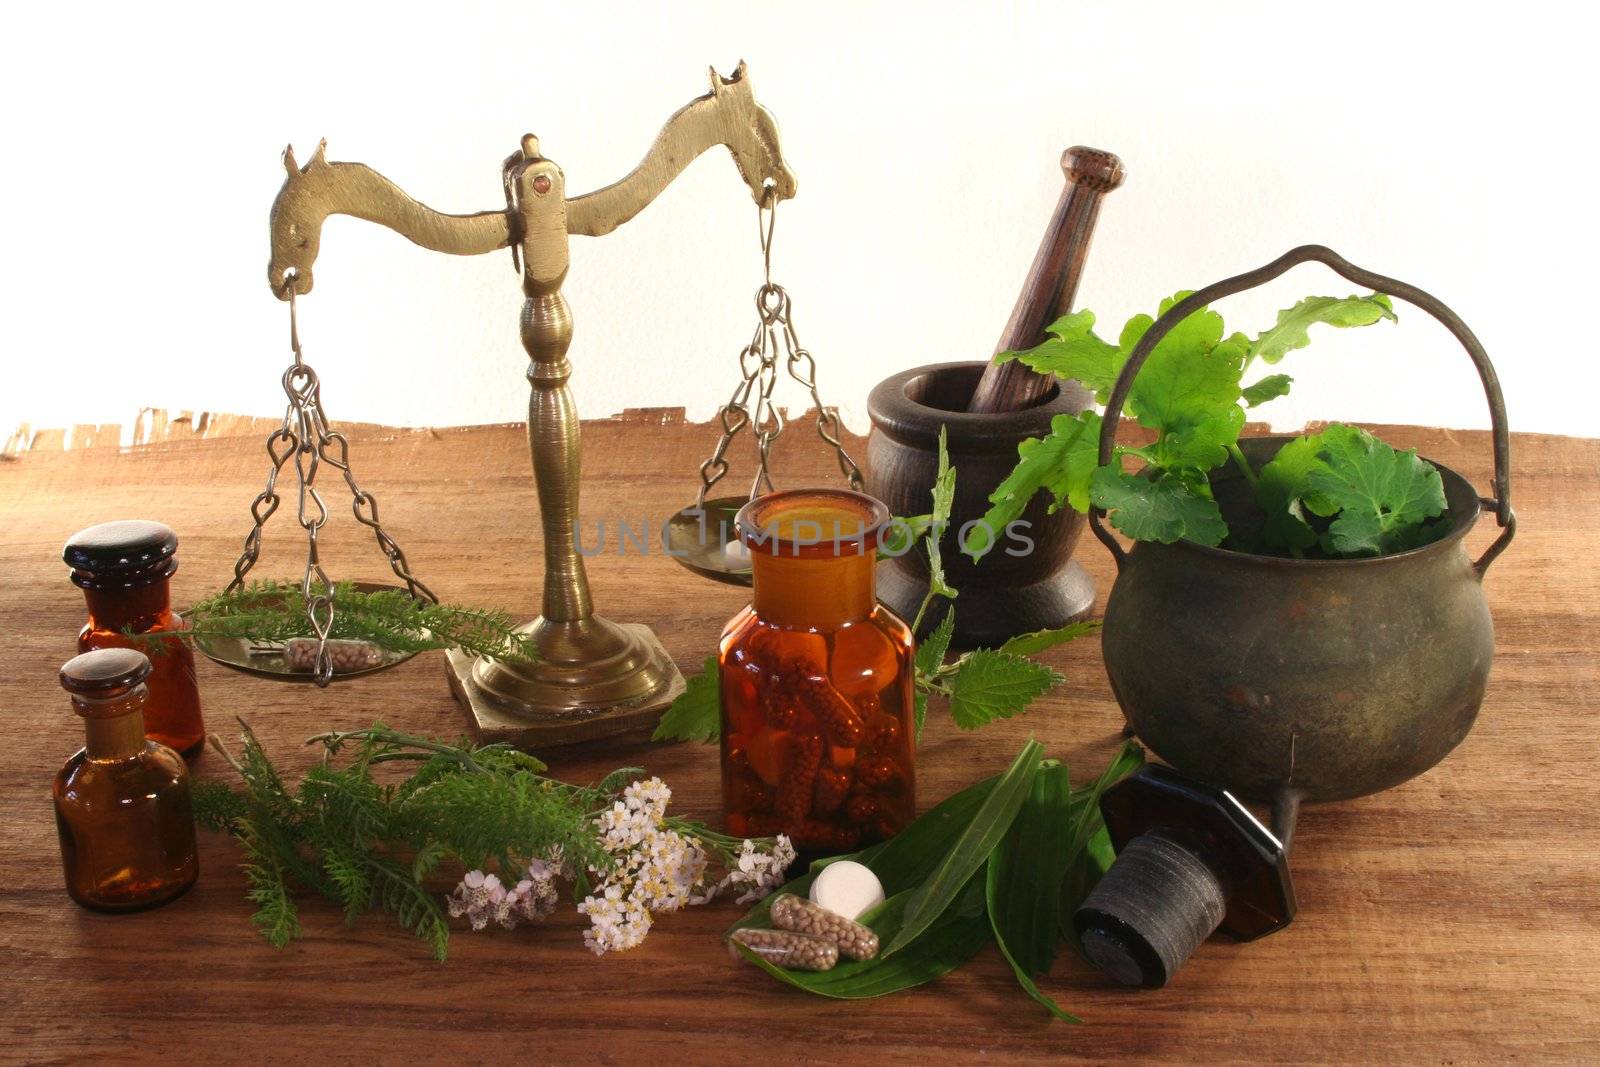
817, 715
123, 569
122, 803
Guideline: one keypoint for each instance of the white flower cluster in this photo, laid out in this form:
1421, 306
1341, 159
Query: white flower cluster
656, 869
483, 898
757, 873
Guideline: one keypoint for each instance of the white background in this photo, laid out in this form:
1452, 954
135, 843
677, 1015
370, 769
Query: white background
1447, 145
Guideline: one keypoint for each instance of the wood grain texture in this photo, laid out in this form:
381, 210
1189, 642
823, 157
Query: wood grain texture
1453, 919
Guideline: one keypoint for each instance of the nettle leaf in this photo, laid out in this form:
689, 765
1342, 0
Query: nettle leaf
1269, 388
929, 658
931, 650
1163, 509
1281, 486
1075, 352
1289, 333
697, 714
1030, 644
994, 685
1383, 496
1061, 462
944, 496
902, 533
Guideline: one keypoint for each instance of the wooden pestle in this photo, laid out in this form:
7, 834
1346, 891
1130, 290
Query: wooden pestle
1052, 280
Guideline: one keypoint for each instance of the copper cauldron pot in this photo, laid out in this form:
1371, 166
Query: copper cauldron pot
1284, 679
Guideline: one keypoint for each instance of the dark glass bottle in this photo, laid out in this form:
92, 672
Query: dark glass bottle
122, 802
123, 569
816, 676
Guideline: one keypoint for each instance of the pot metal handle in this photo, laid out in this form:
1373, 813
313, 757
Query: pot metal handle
1500, 503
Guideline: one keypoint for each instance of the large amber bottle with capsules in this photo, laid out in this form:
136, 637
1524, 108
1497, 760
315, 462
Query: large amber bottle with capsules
816, 675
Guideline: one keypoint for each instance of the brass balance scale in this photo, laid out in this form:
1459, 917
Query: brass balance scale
591, 677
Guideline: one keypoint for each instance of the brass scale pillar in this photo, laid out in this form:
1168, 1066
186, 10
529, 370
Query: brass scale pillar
593, 677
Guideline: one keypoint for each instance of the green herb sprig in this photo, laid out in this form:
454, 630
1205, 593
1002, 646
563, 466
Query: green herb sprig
1339, 494
273, 611
367, 844
970, 871
981, 686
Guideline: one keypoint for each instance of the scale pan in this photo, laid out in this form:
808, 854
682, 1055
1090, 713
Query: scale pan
235, 652
703, 539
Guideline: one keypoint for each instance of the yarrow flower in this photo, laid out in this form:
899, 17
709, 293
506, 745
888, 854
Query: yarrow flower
658, 865
756, 872
483, 898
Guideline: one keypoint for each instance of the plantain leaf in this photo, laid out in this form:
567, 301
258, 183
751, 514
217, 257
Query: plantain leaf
1023, 882
907, 859
990, 823
901, 863
1086, 818
953, 939
1089, 852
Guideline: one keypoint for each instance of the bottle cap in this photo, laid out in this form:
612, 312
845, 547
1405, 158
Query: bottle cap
105, 673
122, 554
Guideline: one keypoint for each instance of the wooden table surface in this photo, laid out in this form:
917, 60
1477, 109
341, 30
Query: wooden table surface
1453, 919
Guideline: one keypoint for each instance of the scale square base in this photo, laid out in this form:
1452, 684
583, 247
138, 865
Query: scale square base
534, 729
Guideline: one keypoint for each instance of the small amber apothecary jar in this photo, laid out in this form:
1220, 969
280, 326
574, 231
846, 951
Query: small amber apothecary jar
124, 569
122, 803
817, 715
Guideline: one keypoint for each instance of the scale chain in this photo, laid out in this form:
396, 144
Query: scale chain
716, 465
758, 364
769, 420
306, 438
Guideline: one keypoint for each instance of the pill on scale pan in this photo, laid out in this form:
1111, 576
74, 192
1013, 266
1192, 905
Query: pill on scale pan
847, 888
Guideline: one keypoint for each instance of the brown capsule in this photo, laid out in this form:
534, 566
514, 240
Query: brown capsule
816, 834
300, 654
862, 808
855, 941
885, 733
794, 682
785, 948
878, 772
833, 784
802, 759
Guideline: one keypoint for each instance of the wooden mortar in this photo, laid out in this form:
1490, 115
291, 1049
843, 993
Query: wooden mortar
1004, 594
988, 410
